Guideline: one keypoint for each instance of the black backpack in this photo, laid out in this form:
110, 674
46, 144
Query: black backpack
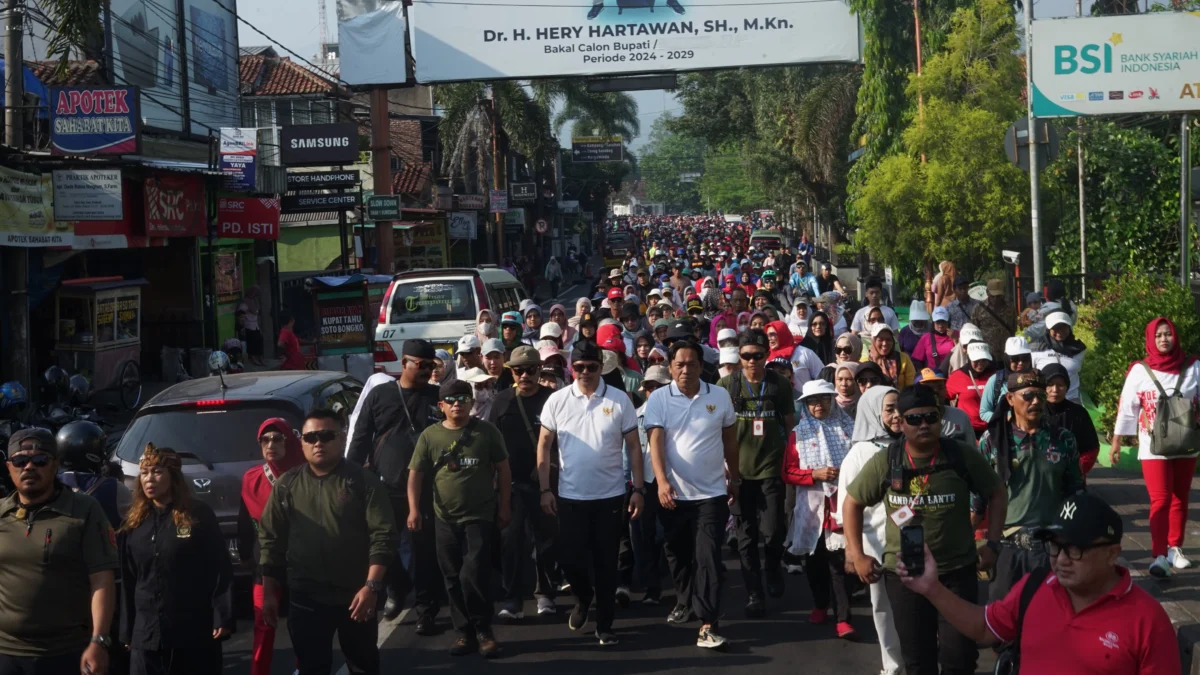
900, 473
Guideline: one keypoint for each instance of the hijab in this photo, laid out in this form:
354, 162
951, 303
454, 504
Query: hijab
889, 364
846, 401
492, 328
823, 346
582, 306
1171, 362
785, 340
855, 343
743, 321
1073, 346
257, 484
868, 424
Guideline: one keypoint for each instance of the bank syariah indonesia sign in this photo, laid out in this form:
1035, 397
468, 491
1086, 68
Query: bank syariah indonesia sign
495, 39
1117, 65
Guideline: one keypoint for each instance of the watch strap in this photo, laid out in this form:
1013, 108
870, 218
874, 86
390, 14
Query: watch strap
376, 586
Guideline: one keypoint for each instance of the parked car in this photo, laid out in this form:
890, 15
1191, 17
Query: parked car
218, 426
440, 306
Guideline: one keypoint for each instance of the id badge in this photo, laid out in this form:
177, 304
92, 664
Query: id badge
758, 427
902, 515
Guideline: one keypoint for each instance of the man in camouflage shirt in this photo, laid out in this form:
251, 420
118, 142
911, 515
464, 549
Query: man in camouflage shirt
996, 319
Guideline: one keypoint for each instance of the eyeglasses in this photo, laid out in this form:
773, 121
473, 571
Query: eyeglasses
927, 418
1031, 395
752, 356
1053, 548
324, 436
421, 364
460, 398
524, 370
271, 439
39, 460
585, 367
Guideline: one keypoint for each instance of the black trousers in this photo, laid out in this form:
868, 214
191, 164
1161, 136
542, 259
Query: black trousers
588, 532
770, 529
464, 553
62, 664
190, 661
927, 639
426, 579
528, 524
1013, 563
312, 625
828, 581
695, 531
639, 548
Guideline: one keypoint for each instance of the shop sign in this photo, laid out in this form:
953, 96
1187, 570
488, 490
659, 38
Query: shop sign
464, 225
523, 192
340, 315
471, 202
88, 194
318, 180
514, 217
95, 121
318, 144
383, 207
27, 211
239, 157
175, 206
317, 202
499, 200
248, 217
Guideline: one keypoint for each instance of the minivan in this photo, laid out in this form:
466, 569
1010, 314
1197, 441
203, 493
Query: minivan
767, 240
440, 305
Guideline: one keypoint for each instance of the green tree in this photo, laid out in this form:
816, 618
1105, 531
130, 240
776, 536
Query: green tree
726, 186
667, 155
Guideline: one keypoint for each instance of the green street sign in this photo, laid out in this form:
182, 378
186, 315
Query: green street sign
383, 207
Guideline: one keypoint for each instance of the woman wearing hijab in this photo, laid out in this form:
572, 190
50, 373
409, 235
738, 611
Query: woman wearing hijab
812, 460
918, 327
1070, 415
819, 337
759, 320
281, 451
558, 315
1168, 479
1065, 350
582, 306
485, 325
443, 371
876, 426
743, 322
935, 344
847, 389
798, 318
642, 345
895, 364
847, 347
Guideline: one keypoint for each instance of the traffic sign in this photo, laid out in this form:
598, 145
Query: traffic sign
383, 207
1017, 142
541, 226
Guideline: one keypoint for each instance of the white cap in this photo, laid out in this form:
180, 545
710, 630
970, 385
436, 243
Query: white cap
551, 330
879, 328
493, 346
1016, 346
817, 387
729, 355
969, 333
1058, 318
474, 375
726, 334
526, 304
978, 351
468, 343
941, 314
665, 304
653, 292
917, 311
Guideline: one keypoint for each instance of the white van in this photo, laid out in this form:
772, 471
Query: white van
439, 305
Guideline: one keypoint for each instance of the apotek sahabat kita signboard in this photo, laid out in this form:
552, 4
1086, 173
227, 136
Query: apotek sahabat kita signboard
497, 39
95, 121
1117, 65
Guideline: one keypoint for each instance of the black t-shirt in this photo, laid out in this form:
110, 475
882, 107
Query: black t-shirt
522, 448
825, 285
388, 427
1074, 418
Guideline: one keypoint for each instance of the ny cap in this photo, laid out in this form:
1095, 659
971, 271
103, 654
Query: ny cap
1082, 519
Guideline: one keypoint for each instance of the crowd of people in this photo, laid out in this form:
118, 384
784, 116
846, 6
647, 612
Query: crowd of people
706, 392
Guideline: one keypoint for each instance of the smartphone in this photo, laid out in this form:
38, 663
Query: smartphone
912, 549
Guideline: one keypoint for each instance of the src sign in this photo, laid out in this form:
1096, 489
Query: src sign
248, 218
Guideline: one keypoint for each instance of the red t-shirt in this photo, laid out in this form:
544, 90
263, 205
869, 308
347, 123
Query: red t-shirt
1125, 632
293, 359
969, 394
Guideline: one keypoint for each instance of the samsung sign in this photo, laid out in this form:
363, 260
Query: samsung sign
319, 144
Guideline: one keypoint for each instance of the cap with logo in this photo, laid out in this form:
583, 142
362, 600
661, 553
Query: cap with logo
493, 346
979, 351
941, 314
615, 294
754, 337
524, 356
694, 305
969, 333
468, 343
1083, 519
1018, 381
680, 329
609, 338
510, 318
930, 375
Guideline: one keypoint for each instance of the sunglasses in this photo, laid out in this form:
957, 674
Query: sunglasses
927, 418
843, 350
585, 367
869, 381
421, 364
39, 460
324, 436
1031, 395
525, 370
271, 439
460, 398
752, 356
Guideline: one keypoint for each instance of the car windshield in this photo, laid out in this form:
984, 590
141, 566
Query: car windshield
441, 300
620, 240
217, 435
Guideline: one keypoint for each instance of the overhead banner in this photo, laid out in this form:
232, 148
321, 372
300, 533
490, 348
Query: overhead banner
597, 149
27, 211
239, 154
175, 206
318, 144
95, 121
88, 194
1116, 65
248, 217
496, 39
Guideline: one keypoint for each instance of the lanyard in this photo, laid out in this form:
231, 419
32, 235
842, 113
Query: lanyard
925, 478
759, 403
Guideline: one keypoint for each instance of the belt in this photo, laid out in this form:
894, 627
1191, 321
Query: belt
1024, 539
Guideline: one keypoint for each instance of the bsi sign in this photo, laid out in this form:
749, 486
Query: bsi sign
318, 144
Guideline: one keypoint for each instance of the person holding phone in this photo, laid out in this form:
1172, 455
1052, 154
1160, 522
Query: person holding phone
927, 482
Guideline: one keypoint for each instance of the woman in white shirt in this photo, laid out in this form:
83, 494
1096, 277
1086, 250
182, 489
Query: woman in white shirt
1168, 480
1065, 349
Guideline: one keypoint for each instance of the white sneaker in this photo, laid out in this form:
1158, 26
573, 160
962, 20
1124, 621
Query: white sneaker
512, 612
795, 569
708, 639
1177, 559
546, 606
1160, 568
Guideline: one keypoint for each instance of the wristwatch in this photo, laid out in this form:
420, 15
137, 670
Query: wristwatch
736, 482
102, 640
994, 545
640, 490
375, 586
545, 490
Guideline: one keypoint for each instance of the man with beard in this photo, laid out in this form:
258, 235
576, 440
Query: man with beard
385, 434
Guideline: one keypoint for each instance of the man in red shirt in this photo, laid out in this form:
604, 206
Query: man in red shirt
289, 344
1086, 616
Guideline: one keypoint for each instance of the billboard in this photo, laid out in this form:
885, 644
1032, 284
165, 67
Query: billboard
318, 144
146, 54
239, 154
1116, 65
212, 51
496, 39
94, 121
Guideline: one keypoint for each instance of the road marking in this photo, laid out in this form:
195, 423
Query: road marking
386, 628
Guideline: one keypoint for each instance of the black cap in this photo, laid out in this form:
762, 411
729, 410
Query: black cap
455, 388
1082, 519
418, 349
43, 438
916, 397
630, 310
695, 305
1053, 370
681, 329
755, 337
586, 350
1018, 381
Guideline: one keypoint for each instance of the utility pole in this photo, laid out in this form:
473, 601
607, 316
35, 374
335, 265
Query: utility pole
1033, 146
497, 176
15, 263
1080, 171
381, 168
1185, 193
14, 83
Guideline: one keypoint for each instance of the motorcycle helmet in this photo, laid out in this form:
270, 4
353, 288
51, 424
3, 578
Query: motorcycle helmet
55, 383
12, 394
78, 389
81, 446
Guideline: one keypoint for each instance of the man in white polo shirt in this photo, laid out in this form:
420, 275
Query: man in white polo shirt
692, 445
593, 424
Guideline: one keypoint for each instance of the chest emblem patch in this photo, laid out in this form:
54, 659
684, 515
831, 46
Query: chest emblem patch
183, 532
710, 408
607, 411
1054, 457
1110, 640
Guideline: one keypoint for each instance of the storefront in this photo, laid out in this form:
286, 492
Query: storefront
421, 239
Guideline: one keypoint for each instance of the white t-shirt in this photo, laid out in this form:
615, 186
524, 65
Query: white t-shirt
874, 520
1139, 398
591, 439
693, 428
372, 382
806, 366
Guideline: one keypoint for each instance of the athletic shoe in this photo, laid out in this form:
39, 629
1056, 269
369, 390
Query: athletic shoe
845, 630
578, 618
1177, 559
1160, 568
546, 606
462, 646
607, 638
755, 608
681, 614
795, 569
818, 616
623, 596
652, 598
708, 638
511, 611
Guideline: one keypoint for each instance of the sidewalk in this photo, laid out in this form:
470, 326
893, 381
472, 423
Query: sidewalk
1180, 594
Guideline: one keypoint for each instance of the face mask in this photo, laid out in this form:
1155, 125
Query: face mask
487, 327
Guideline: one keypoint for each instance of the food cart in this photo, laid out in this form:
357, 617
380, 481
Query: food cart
346, 309
98, 333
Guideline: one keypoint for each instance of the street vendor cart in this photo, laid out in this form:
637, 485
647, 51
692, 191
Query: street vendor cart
346, 309
99, 334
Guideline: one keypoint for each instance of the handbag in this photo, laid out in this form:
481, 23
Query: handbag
1175, 432
1008, 661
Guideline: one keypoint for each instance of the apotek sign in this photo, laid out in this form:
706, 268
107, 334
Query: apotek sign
248, 217
1116, 65
318, 144
95, 121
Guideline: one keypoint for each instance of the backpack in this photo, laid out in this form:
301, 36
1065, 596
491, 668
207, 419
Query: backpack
1176, 432
900, 473
1008, 661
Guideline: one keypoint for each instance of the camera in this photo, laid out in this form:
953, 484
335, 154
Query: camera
1011, 257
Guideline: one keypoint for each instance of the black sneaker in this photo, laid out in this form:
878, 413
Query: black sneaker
755, 607
652, 598
462, 646
578, 617
425, 625
681, 614
607, 638
623, 596
775, 583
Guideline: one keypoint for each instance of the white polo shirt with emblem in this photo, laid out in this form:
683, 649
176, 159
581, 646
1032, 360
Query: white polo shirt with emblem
693, 428
591, 439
